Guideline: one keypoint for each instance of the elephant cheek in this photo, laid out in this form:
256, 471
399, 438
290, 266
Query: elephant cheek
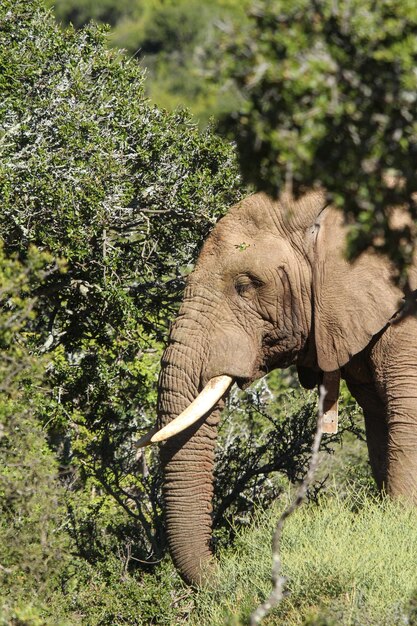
234, 353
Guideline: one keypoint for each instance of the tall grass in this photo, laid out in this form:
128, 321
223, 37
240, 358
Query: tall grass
350, 561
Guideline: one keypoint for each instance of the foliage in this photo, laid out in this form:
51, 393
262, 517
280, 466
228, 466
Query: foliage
31, 499
328, 97
265, 442
301, 86
93, 173
171, 40
80, 12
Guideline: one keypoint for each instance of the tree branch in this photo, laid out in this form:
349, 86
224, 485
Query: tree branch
278, 581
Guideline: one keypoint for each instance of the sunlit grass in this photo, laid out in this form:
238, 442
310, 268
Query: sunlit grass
350, 561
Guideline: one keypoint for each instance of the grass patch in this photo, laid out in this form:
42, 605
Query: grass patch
349, 561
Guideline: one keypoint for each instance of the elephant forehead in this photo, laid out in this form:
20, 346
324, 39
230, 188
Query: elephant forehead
236, 227
283, 215
238, 250
257, 213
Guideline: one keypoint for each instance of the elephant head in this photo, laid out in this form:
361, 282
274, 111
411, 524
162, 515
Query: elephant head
271, 288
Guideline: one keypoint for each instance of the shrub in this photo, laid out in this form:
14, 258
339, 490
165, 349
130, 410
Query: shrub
80, 12
91, 172
32, 504
169, 38
265, 443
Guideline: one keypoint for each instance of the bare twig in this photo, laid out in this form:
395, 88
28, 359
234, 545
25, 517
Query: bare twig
278, 581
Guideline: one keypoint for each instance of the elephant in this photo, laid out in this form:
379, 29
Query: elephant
272, 287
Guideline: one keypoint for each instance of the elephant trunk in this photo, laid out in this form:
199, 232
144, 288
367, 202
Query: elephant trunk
187, 458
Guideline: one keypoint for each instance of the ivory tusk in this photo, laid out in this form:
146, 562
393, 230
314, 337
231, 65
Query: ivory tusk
146, 439
212, 392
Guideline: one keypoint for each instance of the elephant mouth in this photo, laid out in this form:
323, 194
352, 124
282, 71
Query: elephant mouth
244, 383
213, 391
216, 388
260, 370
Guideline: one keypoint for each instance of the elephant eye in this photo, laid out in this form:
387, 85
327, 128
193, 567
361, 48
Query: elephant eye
246, 286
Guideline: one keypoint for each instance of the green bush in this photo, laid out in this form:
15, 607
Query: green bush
93, 174
265, 443
32, 504
80, 12
169, 38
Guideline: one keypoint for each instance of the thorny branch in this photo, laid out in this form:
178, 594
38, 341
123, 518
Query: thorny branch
278, 581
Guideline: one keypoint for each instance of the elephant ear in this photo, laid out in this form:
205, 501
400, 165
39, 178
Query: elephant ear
352, 301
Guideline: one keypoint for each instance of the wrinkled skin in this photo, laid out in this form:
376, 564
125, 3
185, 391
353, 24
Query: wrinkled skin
271, 288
